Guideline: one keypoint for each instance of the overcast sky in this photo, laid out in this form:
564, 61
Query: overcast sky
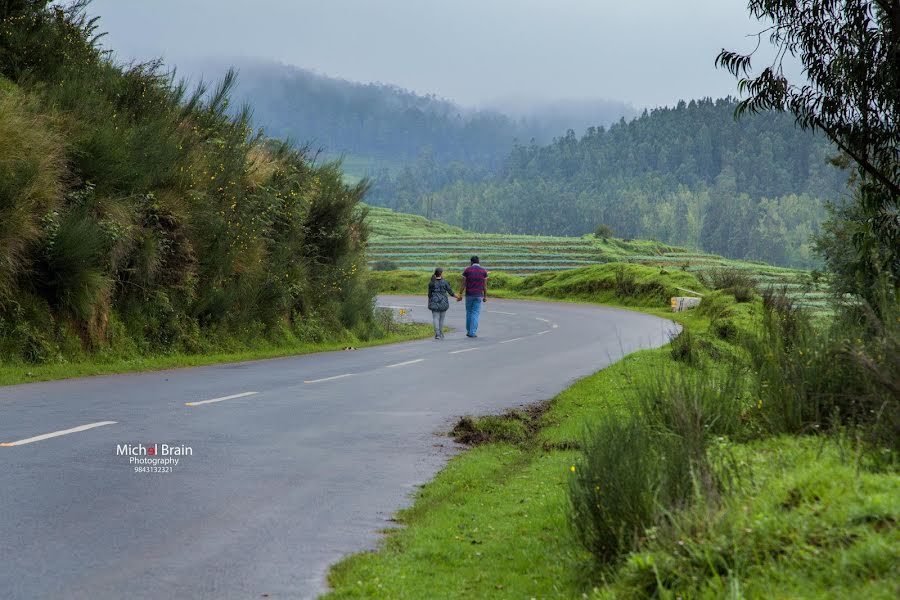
477, 52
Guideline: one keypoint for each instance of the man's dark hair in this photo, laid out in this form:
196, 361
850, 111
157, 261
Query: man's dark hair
474, 260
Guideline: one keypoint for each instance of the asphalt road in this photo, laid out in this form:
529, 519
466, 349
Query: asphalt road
282, 482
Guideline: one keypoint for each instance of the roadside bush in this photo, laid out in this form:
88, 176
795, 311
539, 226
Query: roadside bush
743, 293
809, 379
31, 174
641, 468
726, 278
682, 347
613, 490
626, 284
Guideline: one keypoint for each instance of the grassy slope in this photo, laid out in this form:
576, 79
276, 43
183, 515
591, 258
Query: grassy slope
11, 374
802, 521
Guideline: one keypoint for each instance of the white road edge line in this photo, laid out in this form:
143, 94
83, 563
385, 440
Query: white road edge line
544, 320
555, 326
47, 436
464, 350
500, 312
543, 332
329, 378
403, 364
512, 340
222, 399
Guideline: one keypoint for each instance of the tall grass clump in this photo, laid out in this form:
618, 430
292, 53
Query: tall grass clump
810, 378
641, 467
683, 348
614, 487
737, 282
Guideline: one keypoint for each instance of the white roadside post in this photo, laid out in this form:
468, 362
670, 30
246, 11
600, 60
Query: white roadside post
682, 303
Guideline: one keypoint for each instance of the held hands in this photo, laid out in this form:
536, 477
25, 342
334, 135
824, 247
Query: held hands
459, 297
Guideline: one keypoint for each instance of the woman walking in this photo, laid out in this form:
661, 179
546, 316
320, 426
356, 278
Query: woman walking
438, 302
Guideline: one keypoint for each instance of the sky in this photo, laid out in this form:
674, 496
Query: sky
475, 52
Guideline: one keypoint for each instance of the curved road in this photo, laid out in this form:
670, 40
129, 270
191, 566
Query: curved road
295, 462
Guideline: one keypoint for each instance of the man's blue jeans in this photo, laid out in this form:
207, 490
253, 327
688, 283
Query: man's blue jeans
473, 310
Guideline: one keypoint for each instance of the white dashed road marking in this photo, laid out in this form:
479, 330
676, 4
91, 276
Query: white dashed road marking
512, 340
222, 399
328, 378
408, 362
464, 350
47, 436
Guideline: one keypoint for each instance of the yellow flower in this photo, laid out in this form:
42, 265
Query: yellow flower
572, 468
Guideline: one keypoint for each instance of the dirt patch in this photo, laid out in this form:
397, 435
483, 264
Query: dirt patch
517, 426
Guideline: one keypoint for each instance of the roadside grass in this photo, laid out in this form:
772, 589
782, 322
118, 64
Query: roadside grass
805, 522
11, 374
800, 517
622, 284
489, 526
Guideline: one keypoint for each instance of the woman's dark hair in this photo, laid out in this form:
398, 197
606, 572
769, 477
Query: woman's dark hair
437, 273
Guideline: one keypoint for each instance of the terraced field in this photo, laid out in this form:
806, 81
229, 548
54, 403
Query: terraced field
412, 243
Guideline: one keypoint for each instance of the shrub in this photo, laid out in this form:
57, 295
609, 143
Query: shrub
743, 293
682, 347
626, 284
725, 278
613, 489
603, 232
809, 379
31, 173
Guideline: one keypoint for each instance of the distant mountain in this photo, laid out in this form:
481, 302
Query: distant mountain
388, 124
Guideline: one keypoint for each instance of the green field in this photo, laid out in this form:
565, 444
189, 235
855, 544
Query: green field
412, 243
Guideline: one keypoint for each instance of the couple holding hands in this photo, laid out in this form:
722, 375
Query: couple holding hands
439, 291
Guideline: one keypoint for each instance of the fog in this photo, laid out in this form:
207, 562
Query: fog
496, 53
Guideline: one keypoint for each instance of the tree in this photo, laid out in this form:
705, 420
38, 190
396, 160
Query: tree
603, 232
850, 51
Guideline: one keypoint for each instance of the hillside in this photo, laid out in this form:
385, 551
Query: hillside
412, 243
141, 218
689, 175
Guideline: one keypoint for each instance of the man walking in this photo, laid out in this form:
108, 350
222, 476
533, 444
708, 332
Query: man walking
475, 284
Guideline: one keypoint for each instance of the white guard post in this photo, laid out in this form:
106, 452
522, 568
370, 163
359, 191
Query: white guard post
682, 303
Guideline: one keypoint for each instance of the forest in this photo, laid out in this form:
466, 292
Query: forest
755, 188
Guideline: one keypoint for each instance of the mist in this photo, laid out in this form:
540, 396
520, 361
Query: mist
517, 55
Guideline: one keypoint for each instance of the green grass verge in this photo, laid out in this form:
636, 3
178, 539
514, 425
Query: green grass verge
11, 374
801, 520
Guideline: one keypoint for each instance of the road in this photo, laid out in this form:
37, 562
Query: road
295, 462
